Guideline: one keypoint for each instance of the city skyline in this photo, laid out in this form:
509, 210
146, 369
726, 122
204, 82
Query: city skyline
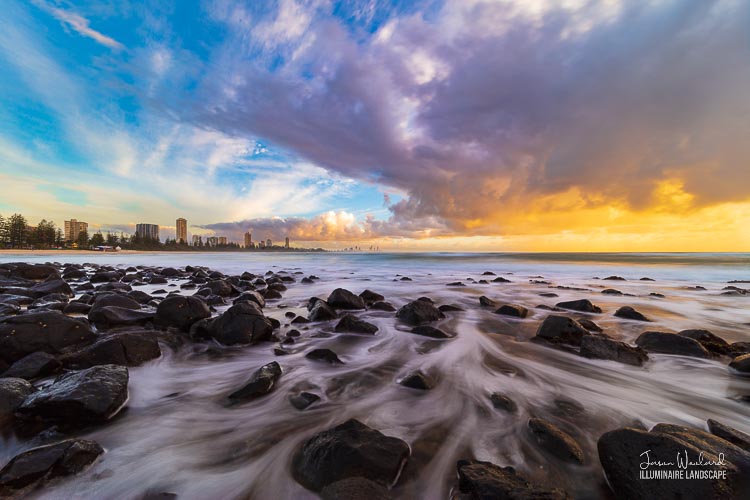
501, 125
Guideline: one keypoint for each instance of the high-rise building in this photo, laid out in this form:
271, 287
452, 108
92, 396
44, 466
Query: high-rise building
269, 243
248, 240
197, 240
286, 242
147, 231
73, 228
212, 241
222, 240
261, 244
181, 231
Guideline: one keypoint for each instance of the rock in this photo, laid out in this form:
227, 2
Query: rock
370, 297
737, 438
51, 286
341, 298
114, 300
418, 380
219, 287
242, 323
503, 402
741, 365
77, 308
13, 392
712, 343
628, 312
34, 271
105, 277
500, 279
556, 441
107, 317
430, 331
455, 283
44, 331
303, 400
261, 383
487, 481
9, 309
419, 312
561, 329
170, 272
669, 343
596, 347
355, 488
382, 306
611, 291
271, 294
614, 278
486, 301
349, 450
300, 320
739, 348
621, 455
350, 323
124, 349
139, 296
251, 296
589, 325
92, 395
326, 355
181, 312
33, 366
321, 311
34, 467
582, 305
449, 308
511, 310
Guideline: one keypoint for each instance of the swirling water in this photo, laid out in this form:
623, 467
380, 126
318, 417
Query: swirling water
177, 435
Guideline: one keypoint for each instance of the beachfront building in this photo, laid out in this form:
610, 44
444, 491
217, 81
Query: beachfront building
261, 244
222, 240
248, 240
286, 242
212, 241
197, 240
73, 228
181, 231
147, 231
269, 243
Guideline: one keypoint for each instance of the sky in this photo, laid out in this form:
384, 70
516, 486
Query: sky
482, 125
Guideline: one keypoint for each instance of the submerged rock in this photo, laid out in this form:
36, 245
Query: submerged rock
382, 306
556, 441
669, 343
430, 331
418, 380
627, 312
741, 365
561, 329
326, 355
349, 450
487, 481
582, 305
712, 343
352, 324
486, 301
511, 310
304, 399
419, 312
261, 383
596, 347
503, 402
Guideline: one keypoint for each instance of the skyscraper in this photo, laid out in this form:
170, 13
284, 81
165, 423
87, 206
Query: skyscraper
248, 240
286, 242
197, 240
181, 231
73, 228
147, 231
269, 243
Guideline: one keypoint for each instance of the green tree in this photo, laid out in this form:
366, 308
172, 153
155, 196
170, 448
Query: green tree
83, 239
17, 231
3, 231
97, 240
112, 239
59, 238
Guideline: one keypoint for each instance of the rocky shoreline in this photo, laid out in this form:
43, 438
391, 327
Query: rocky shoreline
69, 333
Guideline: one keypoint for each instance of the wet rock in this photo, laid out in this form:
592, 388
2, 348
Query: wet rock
303, 400
382, 306
511, 310
124, 349
13, 392
251, 296
582, 305
611, 291
219, 287
561, 329
486, 301
406, 278
326, 355
105, 277
355, 488
44, 331
242, 323
556, 441
341, 298
590, 325
741, 365
321, 311
737, 438
92, 395
107, 317
449, 308
261, 383
621, 455
299, 320
77, 308
669, 343
419, 312
500, 279
114, 300
502, 402
487, 481
418, 380
350, 323
614, 278
139, 296
349, 450
712, 343
181, 312
8, 309
627, 312
430, 331
596, 347
739, 348
271, 294
370, 297
34, 467
33, 366
455, 283
33, 271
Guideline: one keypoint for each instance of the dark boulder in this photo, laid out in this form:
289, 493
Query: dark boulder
370, 297
487, 481
349, 450
582, 305
181, 312
242, 323
500, 279
712, 343
355, 488
382, 306
341, 298
430, 331
556, 441
45, 331
502, 402
251, 296
105, 276
321, 311
33, 366
627, 312
419, 312
8, 309
55, 285
418, 380
741, 365
124, 349
737, 438
33, 271
77, 308
108, 317
669, 343
614, 278
304, 399
13, 392
326, 355
261, 383
34, 467
511, 310
350, 323
219, 287
596, 347
561, 329
590, 325
92, 395
114, 300
486, 301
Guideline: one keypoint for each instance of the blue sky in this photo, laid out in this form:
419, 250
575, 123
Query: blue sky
428, 123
